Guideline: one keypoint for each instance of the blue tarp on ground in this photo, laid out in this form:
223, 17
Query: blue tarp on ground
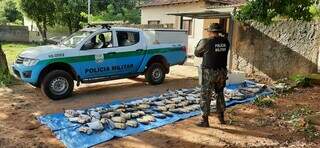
68, 132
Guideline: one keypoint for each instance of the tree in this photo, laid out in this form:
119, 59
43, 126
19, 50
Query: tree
3, 62
40, 11
266, 10
120, 10
133, 16
11, 12
69, 13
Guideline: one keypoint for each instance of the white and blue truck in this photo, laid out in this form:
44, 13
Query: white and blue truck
101, 53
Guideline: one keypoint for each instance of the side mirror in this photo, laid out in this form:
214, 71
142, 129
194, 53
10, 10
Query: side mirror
87, 45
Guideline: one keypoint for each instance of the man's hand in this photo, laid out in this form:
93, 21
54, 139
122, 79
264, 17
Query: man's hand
201, 48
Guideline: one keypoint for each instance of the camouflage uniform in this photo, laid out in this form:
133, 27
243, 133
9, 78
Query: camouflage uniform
214, 73
212, 80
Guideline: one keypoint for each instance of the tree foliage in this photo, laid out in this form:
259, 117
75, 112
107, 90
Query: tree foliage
69, 13
40, 11
9, 12
118, 10
315, 10
73, 13
266, 10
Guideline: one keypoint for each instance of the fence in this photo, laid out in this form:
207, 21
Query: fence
14, 33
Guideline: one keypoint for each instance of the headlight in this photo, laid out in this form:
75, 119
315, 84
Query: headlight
30, 62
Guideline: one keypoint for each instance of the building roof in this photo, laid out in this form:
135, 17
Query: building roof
171, 2
228, 2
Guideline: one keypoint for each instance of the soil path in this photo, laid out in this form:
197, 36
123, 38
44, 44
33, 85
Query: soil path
20, 104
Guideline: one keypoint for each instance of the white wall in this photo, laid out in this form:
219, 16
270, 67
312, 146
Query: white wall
30, 24
196, 36
160, 13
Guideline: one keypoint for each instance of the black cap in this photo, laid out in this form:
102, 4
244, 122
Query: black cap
215, 27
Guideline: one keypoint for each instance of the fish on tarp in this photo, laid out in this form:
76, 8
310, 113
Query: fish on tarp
132, 123
114, 125
96, 125
146, 119
86, 130
118, 119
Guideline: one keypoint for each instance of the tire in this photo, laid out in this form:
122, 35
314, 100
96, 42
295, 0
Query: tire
155, 74
57, 84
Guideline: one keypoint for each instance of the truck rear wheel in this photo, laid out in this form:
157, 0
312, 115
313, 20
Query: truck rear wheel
57, 84
155, 74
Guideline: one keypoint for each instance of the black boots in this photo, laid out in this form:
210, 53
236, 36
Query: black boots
204, 122
221, 118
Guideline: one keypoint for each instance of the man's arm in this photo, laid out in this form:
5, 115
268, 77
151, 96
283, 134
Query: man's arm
201, 48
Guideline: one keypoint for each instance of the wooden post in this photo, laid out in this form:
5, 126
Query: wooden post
3, 62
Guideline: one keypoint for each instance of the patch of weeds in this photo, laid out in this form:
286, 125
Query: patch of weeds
302, 81
297, 113
297, 119
263, 102
6, 79
311, 132
275, 96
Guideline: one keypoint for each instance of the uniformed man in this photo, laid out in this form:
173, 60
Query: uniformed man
214, 51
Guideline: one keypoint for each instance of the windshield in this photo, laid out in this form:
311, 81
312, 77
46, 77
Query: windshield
76, 38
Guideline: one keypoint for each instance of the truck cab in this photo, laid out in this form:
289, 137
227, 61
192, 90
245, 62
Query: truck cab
96, 54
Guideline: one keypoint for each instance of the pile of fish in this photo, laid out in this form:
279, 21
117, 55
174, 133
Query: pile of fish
147, 110
246, 91
133, 113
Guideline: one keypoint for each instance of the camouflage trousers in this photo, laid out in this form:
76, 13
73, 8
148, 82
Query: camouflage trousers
212, 80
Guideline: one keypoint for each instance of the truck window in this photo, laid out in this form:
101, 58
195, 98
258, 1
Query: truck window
127, 38
100, 41
76, 38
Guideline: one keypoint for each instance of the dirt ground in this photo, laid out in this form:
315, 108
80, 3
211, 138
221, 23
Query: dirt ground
248, 125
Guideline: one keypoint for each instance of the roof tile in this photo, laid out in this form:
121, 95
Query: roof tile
169, 2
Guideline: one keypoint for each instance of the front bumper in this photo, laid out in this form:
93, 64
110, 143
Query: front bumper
26, 74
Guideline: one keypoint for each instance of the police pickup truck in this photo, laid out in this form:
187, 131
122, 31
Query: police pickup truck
96, 54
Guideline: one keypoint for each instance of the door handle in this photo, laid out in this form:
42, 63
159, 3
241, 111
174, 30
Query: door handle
112, 53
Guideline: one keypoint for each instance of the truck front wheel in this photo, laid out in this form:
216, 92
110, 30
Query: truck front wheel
155, 74
57, 84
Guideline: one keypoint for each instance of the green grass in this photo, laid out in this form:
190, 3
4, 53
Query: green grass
12, 50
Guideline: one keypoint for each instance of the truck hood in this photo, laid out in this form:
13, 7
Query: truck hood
35, 52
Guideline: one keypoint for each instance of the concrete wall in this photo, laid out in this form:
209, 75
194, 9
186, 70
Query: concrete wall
14, 33
283, 49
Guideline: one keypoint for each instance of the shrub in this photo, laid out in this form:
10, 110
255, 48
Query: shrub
5, 79
263, 102
302, 81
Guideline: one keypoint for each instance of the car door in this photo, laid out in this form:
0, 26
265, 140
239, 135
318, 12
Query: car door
97, 54
129, 54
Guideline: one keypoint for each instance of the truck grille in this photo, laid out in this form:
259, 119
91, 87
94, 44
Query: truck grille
19, 60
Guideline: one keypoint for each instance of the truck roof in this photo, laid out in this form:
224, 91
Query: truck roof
95, 29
